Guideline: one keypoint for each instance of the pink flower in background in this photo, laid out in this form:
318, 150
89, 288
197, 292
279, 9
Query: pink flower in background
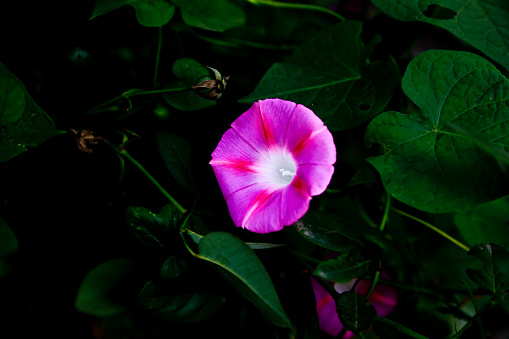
383, 298
274, 158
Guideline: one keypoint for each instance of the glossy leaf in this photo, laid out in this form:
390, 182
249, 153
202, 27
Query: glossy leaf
427, 164
149, 13
329, 231
103, 291
330, 76
177, 155
494, 275
23, 124
217, 15
154, 230
185, 307
486, 223
481, 23
355, 311
253, 245
344, 268
240, 266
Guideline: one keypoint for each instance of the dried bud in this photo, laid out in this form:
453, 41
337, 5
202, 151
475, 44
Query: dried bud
85, 138
211, 89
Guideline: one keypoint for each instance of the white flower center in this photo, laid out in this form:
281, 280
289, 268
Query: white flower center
278, 167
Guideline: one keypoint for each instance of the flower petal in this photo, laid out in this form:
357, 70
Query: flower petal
233, 147
328, 319
256, 208
295, 201
317, 177
318, 148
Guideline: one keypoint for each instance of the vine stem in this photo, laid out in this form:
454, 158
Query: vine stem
126, 155
476, 308
434, 228
297, 6
133, 93
158, 54
385, 217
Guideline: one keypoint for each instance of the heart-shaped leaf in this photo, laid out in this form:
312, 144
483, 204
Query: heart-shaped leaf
481, 23
23, 124
240, 266
428, 162
149, 13
494, 275
177, 155
329, 74
105, 289
217, 15
486, 223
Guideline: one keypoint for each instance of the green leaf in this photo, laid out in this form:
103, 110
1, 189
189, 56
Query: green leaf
253, 245
329, 231
355, 311
185, 100
481, 23
104, 291
217, 15
8, 241
177, 155
149, 13
154, 230
240, 266
187, 307
23, 124
331, 77
486, 223
189, 72
344, 268
494, 275
12, 97
427, 164
173, 268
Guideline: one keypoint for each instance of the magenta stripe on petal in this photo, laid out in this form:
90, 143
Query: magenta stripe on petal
317, 177
274, 158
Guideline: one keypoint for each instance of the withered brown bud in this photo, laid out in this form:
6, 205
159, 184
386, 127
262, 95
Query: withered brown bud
216, 86
85, 139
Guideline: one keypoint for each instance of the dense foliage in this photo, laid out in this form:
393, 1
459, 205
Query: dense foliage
112, 223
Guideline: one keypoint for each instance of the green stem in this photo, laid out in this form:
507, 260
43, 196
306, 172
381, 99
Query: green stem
363, 213
476, 308
133, 93
476, 316
234, 43
434, 228
400, 328
385, 217
156, 91
158, 55
153, 180
373, 284
296, 6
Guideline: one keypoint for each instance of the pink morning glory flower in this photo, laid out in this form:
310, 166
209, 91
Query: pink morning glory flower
383, 299
269, 164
